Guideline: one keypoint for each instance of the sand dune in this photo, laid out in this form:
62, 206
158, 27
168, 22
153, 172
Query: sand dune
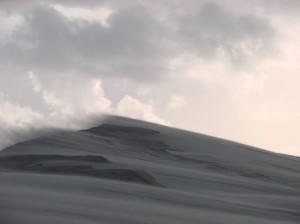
129, 171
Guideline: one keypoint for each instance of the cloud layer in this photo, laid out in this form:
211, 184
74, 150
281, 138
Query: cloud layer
222, 68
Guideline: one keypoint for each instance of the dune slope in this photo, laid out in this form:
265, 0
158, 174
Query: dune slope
130, 171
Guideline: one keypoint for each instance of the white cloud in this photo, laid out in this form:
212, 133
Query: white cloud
16, 115
84, 98
144, 91
15, 121
133, 108
68, 106
97, 14
96, 100
49, 98
8, 24
176, 102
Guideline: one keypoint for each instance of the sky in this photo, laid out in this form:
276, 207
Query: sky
226, 68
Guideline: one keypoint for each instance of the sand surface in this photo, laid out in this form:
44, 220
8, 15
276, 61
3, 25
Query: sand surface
129, 171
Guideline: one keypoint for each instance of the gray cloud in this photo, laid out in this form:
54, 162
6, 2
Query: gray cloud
212, 28
277, 6
132, 44
287, 6
135, 44
82, 67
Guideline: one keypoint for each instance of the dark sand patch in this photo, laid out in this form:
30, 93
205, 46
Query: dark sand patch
38, 163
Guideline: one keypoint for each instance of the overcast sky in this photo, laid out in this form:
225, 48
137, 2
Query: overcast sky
225, 68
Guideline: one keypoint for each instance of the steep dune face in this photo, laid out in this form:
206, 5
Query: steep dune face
129, 171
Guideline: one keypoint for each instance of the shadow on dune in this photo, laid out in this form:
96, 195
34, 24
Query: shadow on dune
74, 165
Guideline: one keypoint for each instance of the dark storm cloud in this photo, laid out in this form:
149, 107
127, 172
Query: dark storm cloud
212, 27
